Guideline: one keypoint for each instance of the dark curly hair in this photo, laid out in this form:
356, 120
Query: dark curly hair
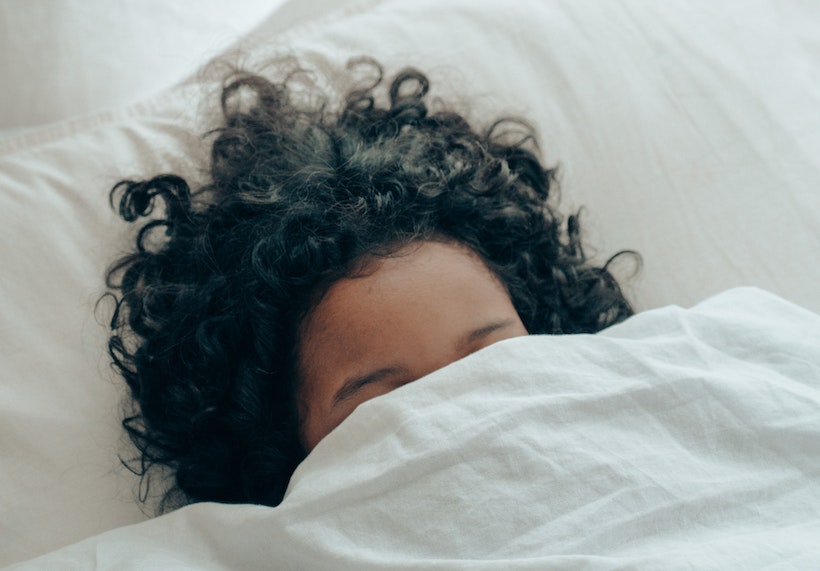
205, 330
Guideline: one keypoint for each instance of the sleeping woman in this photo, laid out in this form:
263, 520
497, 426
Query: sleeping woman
338, 252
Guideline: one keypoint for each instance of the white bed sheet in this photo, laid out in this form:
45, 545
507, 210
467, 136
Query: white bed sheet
681, 439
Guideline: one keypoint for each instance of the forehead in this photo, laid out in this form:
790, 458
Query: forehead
417, 273
419, 282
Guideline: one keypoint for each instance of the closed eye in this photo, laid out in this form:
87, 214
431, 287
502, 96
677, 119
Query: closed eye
482, 332
353, 385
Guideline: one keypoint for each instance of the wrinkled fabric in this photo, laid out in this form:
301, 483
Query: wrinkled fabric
679, 439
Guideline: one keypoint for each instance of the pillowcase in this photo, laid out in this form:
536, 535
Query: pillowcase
688, 131
63, 59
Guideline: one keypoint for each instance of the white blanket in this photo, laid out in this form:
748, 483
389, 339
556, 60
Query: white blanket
680, 439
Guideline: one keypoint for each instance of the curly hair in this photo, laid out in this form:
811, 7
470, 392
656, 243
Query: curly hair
205, 330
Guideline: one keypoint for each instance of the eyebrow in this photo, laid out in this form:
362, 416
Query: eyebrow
352, 385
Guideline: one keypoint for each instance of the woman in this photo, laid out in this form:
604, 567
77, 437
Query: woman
334, 256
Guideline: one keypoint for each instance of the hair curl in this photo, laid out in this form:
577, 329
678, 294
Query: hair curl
205, 332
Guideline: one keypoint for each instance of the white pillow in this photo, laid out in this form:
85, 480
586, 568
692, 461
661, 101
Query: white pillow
690, 132
63, 59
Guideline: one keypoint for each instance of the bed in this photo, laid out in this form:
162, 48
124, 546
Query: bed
687, 437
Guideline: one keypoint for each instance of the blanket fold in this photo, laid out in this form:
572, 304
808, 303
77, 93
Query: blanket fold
679, 439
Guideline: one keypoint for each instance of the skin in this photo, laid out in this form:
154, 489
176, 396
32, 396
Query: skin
407, 315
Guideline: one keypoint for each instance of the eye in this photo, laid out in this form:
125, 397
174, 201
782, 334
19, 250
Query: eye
354, 385
486, 335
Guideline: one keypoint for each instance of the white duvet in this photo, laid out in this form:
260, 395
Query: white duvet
680, 439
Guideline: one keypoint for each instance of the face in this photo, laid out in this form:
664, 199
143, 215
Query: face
416, 311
